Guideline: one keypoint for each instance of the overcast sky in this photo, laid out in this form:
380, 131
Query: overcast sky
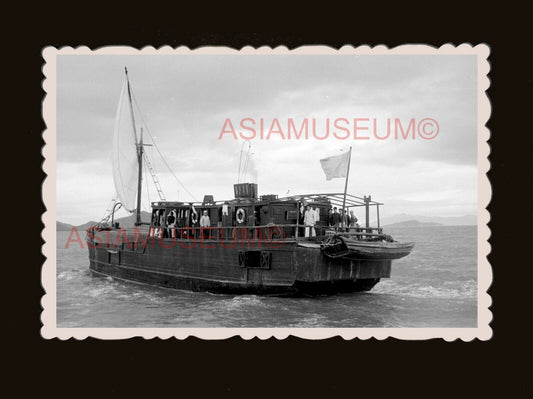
185, 100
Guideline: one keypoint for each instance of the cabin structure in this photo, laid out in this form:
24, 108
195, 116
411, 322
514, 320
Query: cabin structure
250, 212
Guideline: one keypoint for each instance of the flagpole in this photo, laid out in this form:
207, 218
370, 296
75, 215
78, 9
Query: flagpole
346, 187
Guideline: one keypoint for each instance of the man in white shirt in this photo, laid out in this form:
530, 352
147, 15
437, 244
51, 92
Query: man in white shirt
317, 213
309, 221
205, 222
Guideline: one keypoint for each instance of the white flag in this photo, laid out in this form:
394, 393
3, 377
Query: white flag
335, 166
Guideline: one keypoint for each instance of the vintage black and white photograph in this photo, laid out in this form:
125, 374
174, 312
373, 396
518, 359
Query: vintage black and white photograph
266, 192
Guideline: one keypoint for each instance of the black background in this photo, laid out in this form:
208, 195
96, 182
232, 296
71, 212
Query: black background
333, 366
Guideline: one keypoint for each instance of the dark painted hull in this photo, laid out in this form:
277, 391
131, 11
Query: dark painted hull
233, 267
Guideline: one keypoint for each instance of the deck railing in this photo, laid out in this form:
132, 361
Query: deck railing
292, 231
276, 234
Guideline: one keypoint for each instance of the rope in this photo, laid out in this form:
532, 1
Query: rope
245, 168
153, 173
109, 209
147, 188
157, 148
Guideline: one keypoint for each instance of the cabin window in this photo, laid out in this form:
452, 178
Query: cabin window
113, 257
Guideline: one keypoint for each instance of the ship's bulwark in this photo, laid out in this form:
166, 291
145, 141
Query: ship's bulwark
230, 266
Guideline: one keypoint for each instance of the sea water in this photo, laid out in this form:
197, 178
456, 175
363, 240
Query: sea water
435, 286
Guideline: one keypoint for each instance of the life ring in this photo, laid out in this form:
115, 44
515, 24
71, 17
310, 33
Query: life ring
240, 215
194, 217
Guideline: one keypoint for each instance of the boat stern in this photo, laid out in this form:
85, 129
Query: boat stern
311, 265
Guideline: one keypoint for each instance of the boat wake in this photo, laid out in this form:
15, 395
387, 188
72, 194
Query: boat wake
68, 275
240, 302
452, 290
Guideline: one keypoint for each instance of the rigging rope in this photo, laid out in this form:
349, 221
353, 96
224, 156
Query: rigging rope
147, 189
247, 162
109, 210
157, 148
243, 167
153, 173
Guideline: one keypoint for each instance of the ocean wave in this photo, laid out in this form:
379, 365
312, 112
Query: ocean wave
455, 290
67, 275
101, 290
239, 302
314, 320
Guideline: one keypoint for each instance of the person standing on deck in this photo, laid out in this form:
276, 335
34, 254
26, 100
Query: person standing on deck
316, 210
353, 220
160, 222
171, 222
335, 218
344, 219
301, 214
354, 225
309, 221
205, 222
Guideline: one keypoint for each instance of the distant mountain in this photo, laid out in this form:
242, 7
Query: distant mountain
470, 220
60, 226
126, 222
63, 226
85, 226
129, 221
412, 223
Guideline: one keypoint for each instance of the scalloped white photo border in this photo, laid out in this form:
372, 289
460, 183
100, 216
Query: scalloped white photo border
49, 329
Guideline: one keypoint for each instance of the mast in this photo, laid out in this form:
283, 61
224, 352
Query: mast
139, 180
345, 189
139, 155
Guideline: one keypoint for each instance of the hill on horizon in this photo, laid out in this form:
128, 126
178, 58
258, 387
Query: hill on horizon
412, 223
466, 220
126, 222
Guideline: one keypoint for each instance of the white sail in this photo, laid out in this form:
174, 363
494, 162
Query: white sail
125, 162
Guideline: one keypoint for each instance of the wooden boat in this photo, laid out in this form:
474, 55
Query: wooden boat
252, 245
377, 247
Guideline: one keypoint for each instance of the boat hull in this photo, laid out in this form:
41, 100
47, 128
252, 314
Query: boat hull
299, 288
233, 267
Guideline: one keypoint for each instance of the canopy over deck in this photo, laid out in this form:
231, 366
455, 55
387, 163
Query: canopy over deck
335, 199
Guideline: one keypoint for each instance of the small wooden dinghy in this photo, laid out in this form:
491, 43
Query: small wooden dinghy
339, 246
